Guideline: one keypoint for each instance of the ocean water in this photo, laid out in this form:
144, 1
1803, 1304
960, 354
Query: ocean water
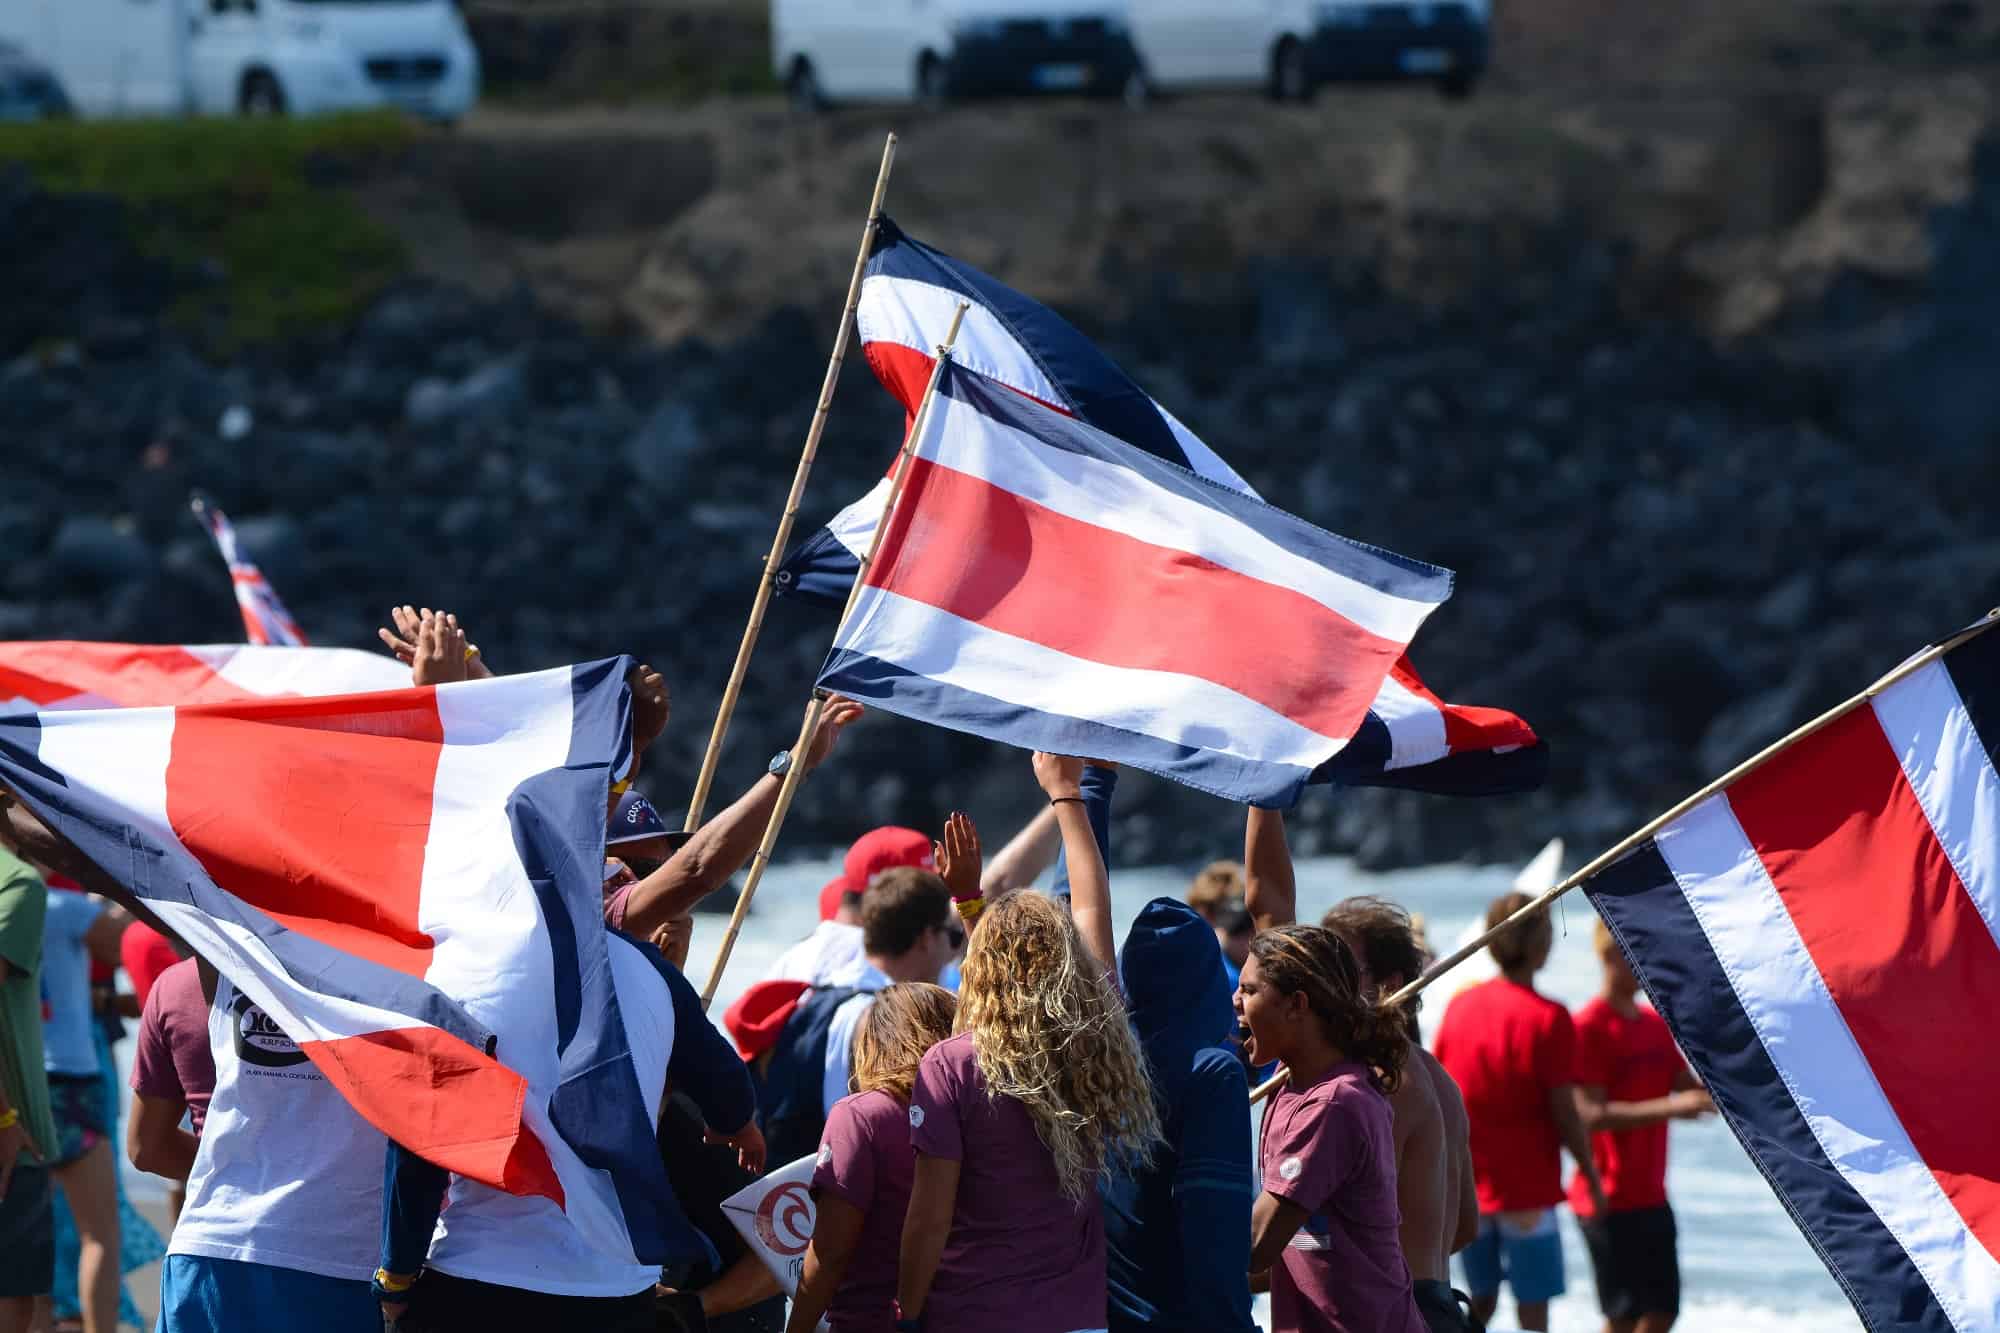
1745, 1268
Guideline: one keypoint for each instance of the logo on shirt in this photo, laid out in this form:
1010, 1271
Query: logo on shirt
259, 1041
1291, 1168
825, 1153
785, 1218
916, 1116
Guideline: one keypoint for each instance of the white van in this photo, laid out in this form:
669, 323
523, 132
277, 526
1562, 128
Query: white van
299, 57
1289, 47
899, 50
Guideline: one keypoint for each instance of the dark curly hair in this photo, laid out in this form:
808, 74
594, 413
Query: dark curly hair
1317, 962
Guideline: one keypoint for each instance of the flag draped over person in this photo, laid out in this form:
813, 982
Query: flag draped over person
65, 674
265, 619
1044, 584
408, 883
1820, 936
1409, 736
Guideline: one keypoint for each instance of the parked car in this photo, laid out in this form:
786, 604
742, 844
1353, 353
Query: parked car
29, 90
901, 50
1290, 47
254, 57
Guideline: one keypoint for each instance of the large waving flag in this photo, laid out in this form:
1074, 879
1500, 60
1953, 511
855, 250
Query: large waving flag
58, 673
408, 884
1410, 737
1047, 585
265, 619
1820, 936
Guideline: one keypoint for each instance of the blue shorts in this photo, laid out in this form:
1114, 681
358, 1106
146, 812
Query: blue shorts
1531, 1260
203, 1295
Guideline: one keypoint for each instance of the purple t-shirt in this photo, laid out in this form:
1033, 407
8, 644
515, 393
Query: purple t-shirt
171, 1059
865, 1160
1329, 1148
1021, 1257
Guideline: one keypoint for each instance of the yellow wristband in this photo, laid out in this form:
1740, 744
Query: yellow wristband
391, 1282
9, 1118
969, 908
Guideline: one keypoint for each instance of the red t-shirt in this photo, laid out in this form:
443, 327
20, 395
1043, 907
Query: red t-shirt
145, 953
1507, 1046
1633, 1060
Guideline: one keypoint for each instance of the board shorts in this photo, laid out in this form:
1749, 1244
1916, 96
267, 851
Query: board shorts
1530, 1259
1635, 1257
76, 1102
441, 1303
1443, 1309
27, 1234
199, 1294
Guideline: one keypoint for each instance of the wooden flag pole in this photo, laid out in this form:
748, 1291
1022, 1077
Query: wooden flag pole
796, 773
1755, 761
706, 780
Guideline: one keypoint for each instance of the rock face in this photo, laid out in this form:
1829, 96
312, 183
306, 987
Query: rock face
1670, 549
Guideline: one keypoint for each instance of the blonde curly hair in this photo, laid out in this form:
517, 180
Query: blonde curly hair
1049, 1030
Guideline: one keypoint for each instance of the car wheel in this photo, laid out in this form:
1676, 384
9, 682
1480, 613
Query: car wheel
1291, 77
933, 81
1458, 85
261, 96
803, 88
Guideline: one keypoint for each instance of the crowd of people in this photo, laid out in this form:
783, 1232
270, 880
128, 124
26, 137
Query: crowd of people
1015, 1121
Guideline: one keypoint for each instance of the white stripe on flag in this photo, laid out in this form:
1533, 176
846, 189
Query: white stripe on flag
1795, 1018
1416, 727
854, 526
1113, 497
279, 669
1949, 769
1183, 709
476, 902
1200, 457
916, 314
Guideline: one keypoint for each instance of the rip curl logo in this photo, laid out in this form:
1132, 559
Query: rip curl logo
785, 1219
916, 1117
261, 1042
1291, 1168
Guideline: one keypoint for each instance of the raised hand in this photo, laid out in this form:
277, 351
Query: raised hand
958, 858
440, 651
1060, 775
834, 718
651, 705
402, 640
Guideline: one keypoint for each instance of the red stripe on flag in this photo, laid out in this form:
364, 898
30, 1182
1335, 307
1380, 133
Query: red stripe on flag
443, 1100
48, 672
316, 812
990, 556
1901, 945
1466, 729
906, 372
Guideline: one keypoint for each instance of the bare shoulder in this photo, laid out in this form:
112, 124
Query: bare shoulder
1415, 1099
1444, 1088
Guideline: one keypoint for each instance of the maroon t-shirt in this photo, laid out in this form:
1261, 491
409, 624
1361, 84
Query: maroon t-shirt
865, 1160
171, 1059
1329, 1147
1021, 1258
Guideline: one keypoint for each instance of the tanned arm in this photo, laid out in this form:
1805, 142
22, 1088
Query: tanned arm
1270, 888
835, 1238
1089, 884
1273, 1223
933, 1196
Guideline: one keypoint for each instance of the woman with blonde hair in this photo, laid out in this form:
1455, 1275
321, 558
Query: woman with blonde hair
1013, 1119
861, 1186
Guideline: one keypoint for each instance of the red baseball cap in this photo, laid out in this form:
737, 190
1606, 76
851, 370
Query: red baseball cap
830, 897
886, 848
759, 1015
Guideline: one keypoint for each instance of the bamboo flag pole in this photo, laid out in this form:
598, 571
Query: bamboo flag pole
793, 775
1923, 659
699, 801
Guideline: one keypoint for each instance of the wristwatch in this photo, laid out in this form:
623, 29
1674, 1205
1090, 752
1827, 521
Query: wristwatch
781, 764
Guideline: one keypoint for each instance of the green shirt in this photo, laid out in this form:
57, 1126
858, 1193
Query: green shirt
24, 905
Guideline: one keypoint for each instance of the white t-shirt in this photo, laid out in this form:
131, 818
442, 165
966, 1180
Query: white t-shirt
840, 1035
511, 1241
833, 946
287, 1174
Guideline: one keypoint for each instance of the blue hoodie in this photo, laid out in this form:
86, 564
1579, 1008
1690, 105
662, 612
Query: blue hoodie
1178, 1232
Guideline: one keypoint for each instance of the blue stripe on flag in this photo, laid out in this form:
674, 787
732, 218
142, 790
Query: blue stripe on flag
1099, 392
1385, 571
900, 691
1645, 909
170, 874
1974, 668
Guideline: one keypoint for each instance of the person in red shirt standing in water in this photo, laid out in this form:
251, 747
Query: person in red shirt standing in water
1631, 1080
1512, 1052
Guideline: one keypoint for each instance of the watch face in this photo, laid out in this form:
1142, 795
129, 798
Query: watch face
781, 763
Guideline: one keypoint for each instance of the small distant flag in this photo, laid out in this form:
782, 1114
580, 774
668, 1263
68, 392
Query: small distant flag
1820, 935
1410, 737
1048, 586
265, 619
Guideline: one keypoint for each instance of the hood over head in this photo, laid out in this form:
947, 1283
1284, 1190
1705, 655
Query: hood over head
1176, 988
